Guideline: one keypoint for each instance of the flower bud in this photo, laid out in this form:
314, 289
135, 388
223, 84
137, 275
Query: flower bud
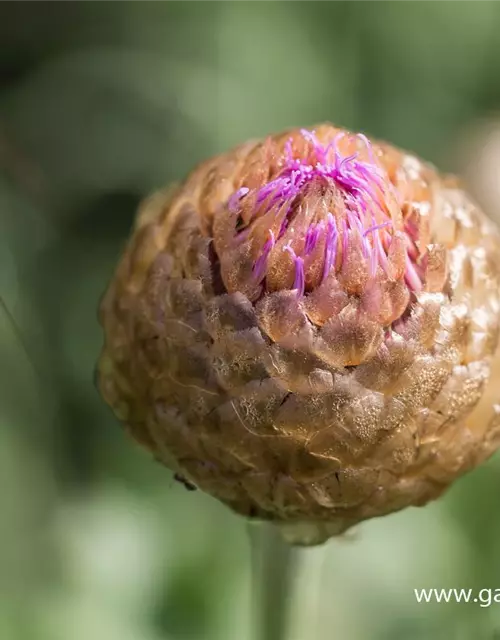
306, 328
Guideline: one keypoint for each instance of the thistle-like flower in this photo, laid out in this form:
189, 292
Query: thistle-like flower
305, 329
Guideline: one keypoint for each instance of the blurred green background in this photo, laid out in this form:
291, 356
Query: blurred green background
100, 104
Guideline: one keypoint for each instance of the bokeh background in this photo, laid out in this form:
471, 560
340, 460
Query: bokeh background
100, 103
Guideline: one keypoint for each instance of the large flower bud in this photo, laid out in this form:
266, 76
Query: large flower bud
305, 329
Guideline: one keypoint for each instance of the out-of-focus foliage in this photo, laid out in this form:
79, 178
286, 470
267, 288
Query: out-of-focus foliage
100, 104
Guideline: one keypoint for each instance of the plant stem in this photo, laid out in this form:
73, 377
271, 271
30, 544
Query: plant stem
274, 568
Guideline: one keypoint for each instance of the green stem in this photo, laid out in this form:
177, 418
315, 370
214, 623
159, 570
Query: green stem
274, 567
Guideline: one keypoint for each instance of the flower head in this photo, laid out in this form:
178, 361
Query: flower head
305, 329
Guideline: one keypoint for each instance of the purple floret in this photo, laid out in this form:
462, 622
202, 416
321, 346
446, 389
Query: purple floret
330, 245
312, 236
361, 183
259, 268
360, 180
234, 201
299, 281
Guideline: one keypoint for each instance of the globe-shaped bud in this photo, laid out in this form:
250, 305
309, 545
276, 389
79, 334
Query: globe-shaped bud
306, 329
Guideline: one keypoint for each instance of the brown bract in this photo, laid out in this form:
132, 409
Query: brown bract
361, 389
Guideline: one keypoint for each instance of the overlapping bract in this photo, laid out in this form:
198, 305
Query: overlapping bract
305, 329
